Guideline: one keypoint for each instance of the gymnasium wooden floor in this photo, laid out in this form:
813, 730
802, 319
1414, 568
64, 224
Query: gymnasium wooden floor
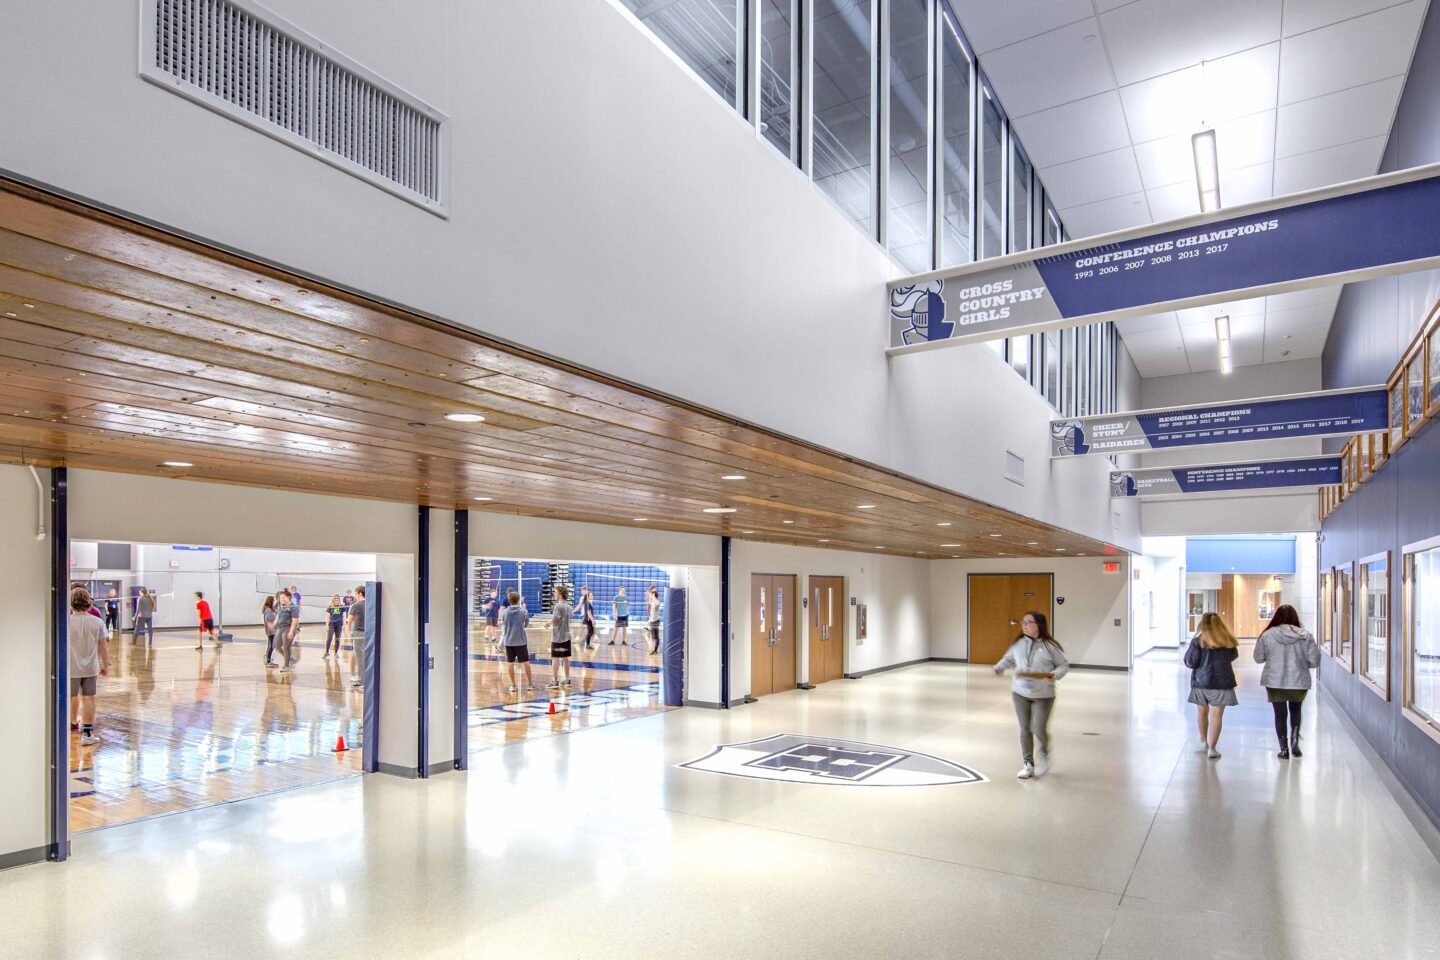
182, 728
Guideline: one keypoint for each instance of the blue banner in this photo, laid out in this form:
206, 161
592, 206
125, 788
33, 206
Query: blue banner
1329, 413
1388, 224
1211, 478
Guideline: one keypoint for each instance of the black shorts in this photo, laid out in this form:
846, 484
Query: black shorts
82, 686
560, 649
622, 621
517, 654
208, 625
492, 621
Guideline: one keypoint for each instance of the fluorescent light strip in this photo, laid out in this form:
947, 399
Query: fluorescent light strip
1222, 337
1207, 169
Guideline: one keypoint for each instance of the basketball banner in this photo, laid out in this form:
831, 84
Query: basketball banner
1326, 413
1368, 228
1256, 475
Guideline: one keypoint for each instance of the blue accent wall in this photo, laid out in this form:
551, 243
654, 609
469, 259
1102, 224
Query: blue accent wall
1259, 554
1400, 504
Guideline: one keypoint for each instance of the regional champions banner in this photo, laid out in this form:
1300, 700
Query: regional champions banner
1257, 475
1387, 224
1323, 414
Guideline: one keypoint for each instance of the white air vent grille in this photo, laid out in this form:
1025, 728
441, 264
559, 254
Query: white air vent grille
241, 60
1014, 468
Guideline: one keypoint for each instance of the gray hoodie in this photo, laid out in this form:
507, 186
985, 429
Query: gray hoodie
1033, 656
1289, 654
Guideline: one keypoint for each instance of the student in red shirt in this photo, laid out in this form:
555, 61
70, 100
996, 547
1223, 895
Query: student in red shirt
207, 620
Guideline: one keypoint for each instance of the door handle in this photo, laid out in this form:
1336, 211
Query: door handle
773, 641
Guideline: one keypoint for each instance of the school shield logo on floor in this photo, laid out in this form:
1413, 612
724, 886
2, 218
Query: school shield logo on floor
798, 759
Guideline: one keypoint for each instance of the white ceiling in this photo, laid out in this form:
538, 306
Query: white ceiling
1105, 95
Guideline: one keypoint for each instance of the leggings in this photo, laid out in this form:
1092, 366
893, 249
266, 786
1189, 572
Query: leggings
589, 631
1280, 713
1034, 717
332, 633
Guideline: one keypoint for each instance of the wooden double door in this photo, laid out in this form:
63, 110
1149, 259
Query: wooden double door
997, 602
774, 605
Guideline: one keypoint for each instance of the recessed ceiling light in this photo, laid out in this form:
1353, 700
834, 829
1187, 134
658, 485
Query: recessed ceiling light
787, 521
951, 544
1032, 543
415, 425
997, 534
954, 556
640, 519
747, 531
943, 524
483, 499
866, 506
879, 546
733, 476
1059, 549
464, 418
176, 463
823, 540
1207, 169
720, 509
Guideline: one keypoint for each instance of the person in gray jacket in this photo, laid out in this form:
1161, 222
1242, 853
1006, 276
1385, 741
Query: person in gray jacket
1039, 661
1289, 653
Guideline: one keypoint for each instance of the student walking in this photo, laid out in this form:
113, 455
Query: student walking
357, 639
207, 620
652, 618
517, 646
144, 616
560, 638
620, 607
269, 617
112, 613
286, 626
334, 626
1038, 661
587, 616
89, 658
1210, 656
1288, 653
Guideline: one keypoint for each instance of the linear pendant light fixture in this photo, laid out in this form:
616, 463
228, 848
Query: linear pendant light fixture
1207, 169
1222, 337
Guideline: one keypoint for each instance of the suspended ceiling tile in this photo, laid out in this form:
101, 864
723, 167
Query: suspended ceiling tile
1354, 114
1105, 216
1101, 177
1191, 316
1166, 161
1247, 184
1176, 200
1073, 130
1074, 67
1319, 168
1167, 364
1349, 53
1315, 296
1152, 37
1147, 323
1305, 15
992, 25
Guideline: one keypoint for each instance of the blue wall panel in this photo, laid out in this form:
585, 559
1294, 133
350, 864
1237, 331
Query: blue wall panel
1240, 554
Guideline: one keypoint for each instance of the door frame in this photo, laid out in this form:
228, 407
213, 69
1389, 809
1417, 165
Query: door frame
968, 576
750, 639
809, 683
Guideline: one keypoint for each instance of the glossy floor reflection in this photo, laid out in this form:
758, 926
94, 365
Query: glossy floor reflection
597, 845
181, 728
609, 682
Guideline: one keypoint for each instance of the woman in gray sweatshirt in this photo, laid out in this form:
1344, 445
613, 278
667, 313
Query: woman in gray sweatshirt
1038, 661
1289, 653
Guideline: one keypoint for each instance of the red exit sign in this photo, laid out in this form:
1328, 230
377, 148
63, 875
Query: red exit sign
1112, 566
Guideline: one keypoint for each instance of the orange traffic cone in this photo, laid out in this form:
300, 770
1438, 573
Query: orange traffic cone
552, 707
340, 744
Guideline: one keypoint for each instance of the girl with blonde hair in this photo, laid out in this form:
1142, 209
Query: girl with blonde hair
1210, 656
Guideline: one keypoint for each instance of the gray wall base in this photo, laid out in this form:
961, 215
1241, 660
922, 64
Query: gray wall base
395, 770
20, 858
704, 704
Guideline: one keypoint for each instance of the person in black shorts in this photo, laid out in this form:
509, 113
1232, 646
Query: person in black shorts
517, 645
112, 613
587, 616
560, 639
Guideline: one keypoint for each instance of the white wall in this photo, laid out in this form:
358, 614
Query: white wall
441, 635
702, 641
1084, 623
24, 642
499, 535
1158, 594
895, 590
617, 192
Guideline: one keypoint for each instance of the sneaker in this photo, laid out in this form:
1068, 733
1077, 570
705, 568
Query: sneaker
1043, 762
514, 689
88, 739
1212, 753
355, 681
285, 670
1026, 772
74, 728
530, 688
566, 681
271, 664
199, 646
552, 684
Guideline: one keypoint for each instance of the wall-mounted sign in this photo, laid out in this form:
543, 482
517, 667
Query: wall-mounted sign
1366, 228
862, 622
1256, 475
1323, 414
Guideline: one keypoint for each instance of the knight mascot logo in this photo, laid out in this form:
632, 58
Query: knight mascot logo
1067, 438
920, 307
1122, 485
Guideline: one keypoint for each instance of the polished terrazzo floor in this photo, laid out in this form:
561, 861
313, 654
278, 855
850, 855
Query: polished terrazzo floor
598, 845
